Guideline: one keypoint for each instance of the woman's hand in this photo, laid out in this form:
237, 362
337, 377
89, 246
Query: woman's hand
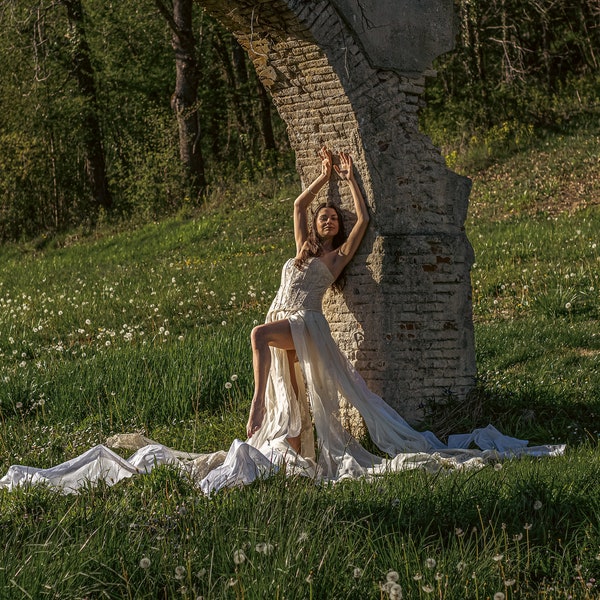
345, 170
326, 162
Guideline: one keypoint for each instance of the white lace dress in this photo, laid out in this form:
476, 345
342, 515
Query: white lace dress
323, 375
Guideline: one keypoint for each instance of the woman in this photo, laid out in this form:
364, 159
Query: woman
296, 330
326, 242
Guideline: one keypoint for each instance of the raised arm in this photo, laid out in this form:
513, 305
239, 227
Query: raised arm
303, 201
341, 256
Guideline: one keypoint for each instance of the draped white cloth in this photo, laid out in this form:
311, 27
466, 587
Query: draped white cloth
313, 384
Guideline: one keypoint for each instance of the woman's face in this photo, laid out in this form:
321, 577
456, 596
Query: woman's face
327, 223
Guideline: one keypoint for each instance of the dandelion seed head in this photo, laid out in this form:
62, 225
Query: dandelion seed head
427, 588
302, 537
180, 572
357, 573
498, 467
234, 377
228, 385
417, 576
392, 576
430, 563
537, 505
264, 548
509, 582
145, 562
239, 557
499, 596
497, 557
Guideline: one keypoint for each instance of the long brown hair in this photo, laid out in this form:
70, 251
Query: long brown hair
314, 244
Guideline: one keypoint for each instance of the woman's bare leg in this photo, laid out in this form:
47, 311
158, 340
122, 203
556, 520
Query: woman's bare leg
279, 335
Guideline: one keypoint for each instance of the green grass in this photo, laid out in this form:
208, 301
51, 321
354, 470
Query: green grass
140, 330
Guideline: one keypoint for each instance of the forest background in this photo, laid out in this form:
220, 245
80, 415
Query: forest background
126, 112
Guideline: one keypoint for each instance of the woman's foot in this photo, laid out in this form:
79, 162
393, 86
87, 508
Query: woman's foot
256, 417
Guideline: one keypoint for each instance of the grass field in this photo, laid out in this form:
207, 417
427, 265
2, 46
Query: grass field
141, 330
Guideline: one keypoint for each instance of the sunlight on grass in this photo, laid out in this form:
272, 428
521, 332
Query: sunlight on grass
147, 330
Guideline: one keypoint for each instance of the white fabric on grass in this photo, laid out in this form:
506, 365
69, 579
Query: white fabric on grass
323, 375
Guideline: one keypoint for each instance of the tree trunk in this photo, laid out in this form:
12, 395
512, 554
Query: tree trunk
184, 101
95, 162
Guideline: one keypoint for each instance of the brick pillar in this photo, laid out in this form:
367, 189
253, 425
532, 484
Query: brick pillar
405, 316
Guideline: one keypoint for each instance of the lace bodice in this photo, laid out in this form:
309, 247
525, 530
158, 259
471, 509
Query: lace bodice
302, 289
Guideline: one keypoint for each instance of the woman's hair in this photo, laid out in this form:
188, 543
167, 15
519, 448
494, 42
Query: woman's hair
314, 247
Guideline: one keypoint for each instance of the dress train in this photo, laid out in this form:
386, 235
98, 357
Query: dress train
323, 375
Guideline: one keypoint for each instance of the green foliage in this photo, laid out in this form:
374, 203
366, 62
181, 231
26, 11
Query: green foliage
44, 183
516, 67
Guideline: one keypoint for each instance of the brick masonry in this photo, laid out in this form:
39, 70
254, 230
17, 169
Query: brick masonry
405, 317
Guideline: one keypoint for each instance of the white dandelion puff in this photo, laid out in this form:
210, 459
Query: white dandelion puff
264, 548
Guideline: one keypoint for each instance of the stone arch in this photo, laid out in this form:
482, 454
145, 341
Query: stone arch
351, 76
